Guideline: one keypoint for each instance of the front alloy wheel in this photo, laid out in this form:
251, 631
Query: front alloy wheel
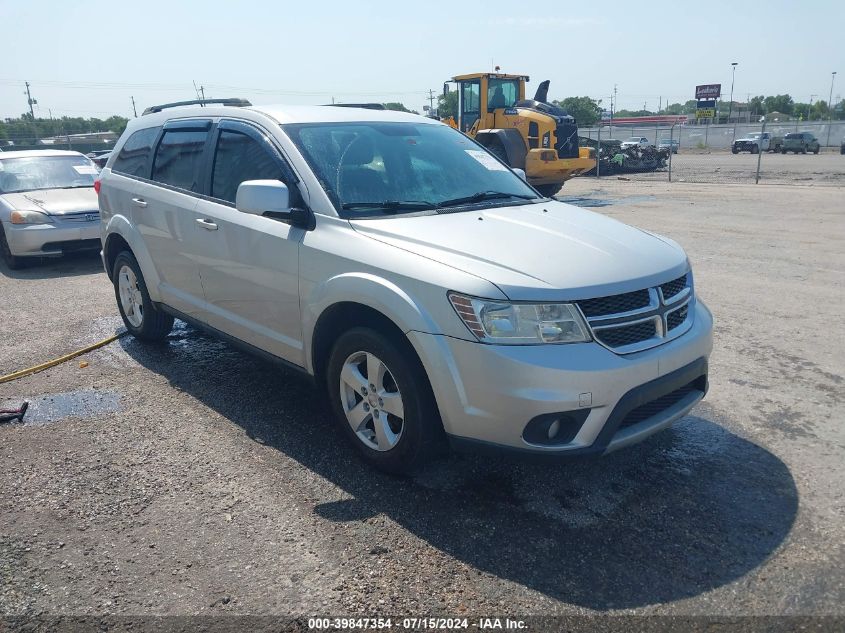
372, 401
382, 399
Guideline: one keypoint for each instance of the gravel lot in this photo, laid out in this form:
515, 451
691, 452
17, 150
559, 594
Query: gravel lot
827, 168
189, 478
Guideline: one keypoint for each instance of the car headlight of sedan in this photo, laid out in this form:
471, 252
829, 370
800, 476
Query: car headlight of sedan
506, 323
29, 217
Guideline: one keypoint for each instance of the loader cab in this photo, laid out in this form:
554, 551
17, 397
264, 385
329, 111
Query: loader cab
481, 95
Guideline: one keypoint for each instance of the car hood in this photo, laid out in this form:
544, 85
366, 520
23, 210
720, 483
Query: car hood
540, 251
54, 201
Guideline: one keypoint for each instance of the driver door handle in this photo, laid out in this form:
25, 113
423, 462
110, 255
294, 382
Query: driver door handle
139, 202
207, 224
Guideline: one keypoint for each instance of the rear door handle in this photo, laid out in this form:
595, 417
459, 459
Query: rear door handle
207, 224
139, 202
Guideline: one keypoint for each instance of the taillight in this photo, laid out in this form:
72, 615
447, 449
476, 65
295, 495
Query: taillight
97, 186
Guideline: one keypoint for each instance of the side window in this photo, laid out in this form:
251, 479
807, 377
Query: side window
134, 154
238, 158
178, 159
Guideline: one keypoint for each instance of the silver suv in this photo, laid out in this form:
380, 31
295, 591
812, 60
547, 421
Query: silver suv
426, 287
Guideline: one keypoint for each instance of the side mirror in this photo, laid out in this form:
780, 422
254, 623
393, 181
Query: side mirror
271, 198
520, 172
262, 196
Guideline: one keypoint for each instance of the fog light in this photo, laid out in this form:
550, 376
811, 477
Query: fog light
554, 429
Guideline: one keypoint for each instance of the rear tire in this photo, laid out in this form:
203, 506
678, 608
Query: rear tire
755, 149
397, 427
12, 261
816, 151
140, 316
783, 151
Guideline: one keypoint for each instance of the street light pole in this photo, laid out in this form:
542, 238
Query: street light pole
731, 105
830, 108
733, 75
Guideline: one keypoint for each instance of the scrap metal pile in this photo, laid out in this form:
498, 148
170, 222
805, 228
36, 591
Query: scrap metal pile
614, 159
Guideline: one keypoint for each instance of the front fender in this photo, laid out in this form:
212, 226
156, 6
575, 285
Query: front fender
375, 292
120, 225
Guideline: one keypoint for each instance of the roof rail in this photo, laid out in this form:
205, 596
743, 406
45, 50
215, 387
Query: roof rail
367, 106
199, 102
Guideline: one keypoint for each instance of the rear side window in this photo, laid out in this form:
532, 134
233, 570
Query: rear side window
178, 159
135, 153
238, 158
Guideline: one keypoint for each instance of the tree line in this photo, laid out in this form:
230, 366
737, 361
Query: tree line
27, 130
588, 111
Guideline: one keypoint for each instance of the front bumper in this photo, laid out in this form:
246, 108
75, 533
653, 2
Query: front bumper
543, 167
487, 394
38, 240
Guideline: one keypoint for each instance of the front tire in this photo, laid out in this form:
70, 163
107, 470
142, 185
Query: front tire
382, 399
140, 316
12, 261
734, 150
548, 190
755, 149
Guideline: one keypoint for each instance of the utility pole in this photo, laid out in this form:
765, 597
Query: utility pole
810, 105
134, 109
30, 101
202, 92
430, 100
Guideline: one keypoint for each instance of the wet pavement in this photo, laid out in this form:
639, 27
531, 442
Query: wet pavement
190, 478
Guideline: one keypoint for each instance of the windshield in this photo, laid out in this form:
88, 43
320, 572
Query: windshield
45, 172
370, 168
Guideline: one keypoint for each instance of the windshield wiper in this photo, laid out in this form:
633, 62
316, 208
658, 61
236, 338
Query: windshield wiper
390, 205
483, 195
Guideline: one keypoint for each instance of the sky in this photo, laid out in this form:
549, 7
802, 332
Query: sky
90, 58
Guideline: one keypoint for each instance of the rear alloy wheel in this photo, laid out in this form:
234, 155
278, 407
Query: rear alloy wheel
383, 401
12, 261
140, 316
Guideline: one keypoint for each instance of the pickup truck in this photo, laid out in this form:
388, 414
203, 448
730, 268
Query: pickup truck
757, 142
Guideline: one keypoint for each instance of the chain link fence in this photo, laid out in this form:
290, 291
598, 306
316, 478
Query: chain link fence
705, 153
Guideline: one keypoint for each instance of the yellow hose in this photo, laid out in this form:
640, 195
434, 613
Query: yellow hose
59, 360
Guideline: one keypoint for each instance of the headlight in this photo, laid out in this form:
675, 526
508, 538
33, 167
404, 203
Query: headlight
520, 323
29, 217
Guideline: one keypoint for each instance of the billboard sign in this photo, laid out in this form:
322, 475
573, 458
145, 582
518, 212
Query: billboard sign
708, 91
706, 110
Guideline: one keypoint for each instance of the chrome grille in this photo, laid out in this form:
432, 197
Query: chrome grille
627, 334
637, 320
676, 318
87, 216
673, 287
614, 304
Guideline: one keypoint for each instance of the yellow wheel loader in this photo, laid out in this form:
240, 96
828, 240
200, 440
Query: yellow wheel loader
530, 134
